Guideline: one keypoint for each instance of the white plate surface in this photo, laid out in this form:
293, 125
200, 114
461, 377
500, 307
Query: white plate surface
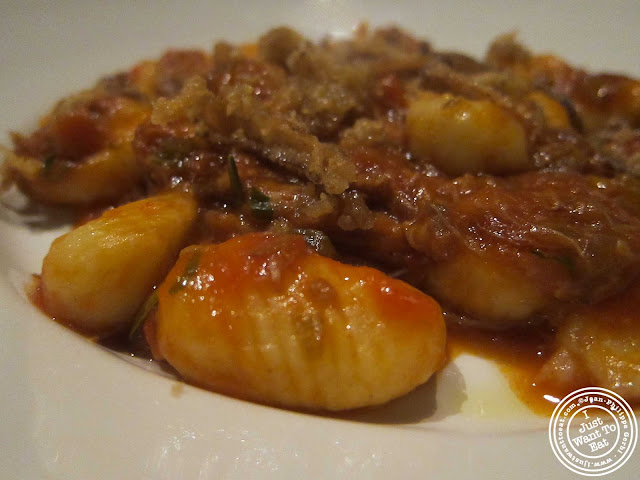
72, 410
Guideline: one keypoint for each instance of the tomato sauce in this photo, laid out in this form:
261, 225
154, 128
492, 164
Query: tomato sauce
519, 355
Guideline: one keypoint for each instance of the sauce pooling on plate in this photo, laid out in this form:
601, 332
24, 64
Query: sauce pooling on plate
505, 189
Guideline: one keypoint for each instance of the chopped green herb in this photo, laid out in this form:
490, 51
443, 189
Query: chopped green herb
260, 204
190, 269
142, 314
237, 190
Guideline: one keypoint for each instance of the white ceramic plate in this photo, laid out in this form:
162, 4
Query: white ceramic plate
72, 410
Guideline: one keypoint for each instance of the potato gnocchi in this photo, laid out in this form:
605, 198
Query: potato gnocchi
264, 317
499, 193
98, 275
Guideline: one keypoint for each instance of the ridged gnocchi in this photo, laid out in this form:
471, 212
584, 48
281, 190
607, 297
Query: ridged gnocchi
96, 276
262, 317
506, 188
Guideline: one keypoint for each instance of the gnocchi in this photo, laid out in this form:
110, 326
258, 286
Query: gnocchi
599, 345
97, 276
263, 318
485, 288
506, 188
77, 159
460, 136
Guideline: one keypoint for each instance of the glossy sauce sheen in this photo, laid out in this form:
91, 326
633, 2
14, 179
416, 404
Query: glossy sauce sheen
259, 262
264, 317
338, 137
519, 355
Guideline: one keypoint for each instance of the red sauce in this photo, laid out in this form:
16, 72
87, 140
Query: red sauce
564, 201
519, 354
77, 136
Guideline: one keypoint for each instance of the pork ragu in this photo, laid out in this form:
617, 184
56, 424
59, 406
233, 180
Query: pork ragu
506, 188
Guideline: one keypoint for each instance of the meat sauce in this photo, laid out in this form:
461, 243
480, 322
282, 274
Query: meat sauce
521, 217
